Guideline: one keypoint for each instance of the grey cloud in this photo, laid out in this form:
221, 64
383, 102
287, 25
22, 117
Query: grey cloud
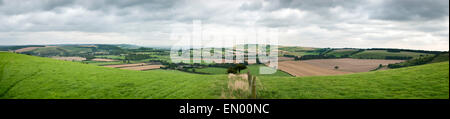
251, 6
26, 6
313, 5
314, 22
402, 10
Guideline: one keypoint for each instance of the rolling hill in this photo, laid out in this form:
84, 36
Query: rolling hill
430, 81
382, 54
30, 77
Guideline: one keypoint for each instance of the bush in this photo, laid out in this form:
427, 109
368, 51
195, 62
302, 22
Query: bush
398, 57
413, 62
240, 67
307, 57
231, 70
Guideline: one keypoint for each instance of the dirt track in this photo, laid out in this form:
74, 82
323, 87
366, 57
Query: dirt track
103, 60
142, 68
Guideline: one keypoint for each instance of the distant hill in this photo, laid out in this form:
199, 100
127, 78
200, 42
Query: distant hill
305, 53
128, 46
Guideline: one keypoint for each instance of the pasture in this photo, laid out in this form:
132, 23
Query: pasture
429, 81
254, 70
29, 77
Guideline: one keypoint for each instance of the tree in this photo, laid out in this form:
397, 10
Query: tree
231, 70
89, 57
336, 67
240, 67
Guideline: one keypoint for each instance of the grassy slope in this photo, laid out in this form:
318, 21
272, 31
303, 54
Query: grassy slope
298, 51
426, 81
440, 58
381, 54
212, 70
254, 69
24, 76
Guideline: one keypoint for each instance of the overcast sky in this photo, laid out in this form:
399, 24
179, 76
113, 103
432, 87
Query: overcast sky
412, 24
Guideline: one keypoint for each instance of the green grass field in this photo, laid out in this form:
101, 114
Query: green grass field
440, 58
381, 54
419, 82
254, 70
298, 51
212, 70
30, 77
342, 52
35, 78
116, 57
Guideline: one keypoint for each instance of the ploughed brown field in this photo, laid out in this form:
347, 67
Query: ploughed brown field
103, 60
26, 49
285, 58
323, 67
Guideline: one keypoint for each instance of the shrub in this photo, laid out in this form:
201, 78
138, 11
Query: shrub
413, 62
240, 67
231, 70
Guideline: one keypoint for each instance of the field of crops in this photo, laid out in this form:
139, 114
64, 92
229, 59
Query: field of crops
419, 82
324, 67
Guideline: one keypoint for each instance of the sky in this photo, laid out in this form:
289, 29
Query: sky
408, 24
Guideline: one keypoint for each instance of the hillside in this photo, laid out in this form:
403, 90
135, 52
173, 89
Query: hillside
23, 76
254, 69
440, 58
429, 81
383, 54
342, 52
30, 77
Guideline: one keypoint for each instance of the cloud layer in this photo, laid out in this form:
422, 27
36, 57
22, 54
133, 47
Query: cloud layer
414, 24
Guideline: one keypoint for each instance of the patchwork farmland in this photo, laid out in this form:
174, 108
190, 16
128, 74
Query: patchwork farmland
110, 71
